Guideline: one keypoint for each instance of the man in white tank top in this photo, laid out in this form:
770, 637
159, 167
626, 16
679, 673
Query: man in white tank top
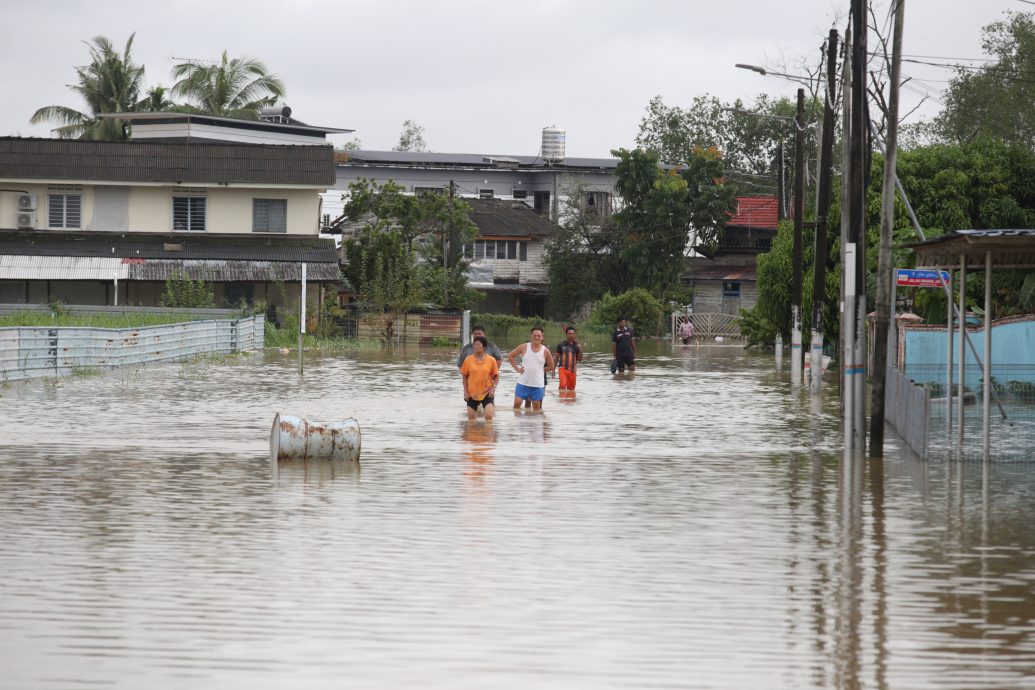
536, 360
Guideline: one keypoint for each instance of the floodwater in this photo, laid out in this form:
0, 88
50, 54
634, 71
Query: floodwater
695, 525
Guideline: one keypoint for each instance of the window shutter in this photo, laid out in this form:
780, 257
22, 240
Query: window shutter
73, 211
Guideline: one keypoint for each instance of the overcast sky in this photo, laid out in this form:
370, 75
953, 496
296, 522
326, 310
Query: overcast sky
480, 77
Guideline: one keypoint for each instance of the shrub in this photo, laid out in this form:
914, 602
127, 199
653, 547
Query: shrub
181, 291
641, 308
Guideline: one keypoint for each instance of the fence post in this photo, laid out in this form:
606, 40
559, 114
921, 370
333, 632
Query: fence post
465, 328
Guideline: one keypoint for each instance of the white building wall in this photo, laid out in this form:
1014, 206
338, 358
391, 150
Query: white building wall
229, 209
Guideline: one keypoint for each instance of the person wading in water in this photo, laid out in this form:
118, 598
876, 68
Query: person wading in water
536, 360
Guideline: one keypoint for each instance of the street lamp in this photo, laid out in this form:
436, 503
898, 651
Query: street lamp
767, 73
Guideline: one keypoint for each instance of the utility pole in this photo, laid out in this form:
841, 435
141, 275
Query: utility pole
819, 283
855, 364
445, 250
799, 212
885, 311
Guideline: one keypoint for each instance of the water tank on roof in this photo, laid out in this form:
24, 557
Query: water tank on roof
275, 113
553, 144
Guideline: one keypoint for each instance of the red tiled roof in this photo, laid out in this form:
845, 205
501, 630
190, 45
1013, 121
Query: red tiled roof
755, 212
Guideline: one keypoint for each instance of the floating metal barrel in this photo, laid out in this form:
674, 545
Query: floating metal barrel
294, 438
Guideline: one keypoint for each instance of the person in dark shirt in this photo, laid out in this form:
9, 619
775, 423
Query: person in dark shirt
568, 355
623, 347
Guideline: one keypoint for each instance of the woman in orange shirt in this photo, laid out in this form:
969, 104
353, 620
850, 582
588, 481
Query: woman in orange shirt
481, 374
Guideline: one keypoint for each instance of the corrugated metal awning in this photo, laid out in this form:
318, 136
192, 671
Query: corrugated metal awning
62, 268
218, 271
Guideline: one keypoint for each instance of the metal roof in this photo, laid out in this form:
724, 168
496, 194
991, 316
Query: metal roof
263, 125
98, 268
501, 218
62, 268
722, 273
1011, 249
755, 212
265, 247
471, 160
166, 162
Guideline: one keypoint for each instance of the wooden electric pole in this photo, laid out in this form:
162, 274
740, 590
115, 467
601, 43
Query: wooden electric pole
855, 293
799, 213
887, 228
824, 194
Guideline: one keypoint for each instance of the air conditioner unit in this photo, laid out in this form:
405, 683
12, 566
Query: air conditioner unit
26, 219
26, 202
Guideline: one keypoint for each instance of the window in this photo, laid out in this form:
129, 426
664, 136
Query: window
486, 194
541, 202
731, 289
598, 204
65, 210
497, 249
425, 191
269, 215
189, 213
520, 193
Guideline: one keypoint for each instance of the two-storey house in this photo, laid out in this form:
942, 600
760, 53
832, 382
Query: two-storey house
236, 203
514, 200
727, 281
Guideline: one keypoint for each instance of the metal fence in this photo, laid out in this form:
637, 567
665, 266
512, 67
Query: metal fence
29, 352
907, 407
708, 326
421, 328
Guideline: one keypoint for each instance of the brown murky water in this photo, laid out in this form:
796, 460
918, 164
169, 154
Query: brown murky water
693, 527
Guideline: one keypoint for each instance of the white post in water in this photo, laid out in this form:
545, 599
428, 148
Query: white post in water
465, 327
301, 319
816, 363
948, 367
962, 368
779, 351
848, 327
116, 291
986, 392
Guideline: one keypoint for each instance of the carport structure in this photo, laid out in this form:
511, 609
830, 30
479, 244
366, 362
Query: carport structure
963, 251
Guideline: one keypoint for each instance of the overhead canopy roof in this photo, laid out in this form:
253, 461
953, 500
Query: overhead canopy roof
1011, 249
152, 256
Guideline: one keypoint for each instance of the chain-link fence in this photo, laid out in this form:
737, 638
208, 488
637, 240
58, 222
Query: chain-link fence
1012, 415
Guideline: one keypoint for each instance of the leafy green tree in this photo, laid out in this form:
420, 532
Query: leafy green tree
644, 243
156, 100
411, 138
109, 84
982, 185
403, 235
748, 137
639, 306
237, 87
994, 100
582, 257
654, 219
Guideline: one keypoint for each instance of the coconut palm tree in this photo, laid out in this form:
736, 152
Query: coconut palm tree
236, 87
156, 100
109, 84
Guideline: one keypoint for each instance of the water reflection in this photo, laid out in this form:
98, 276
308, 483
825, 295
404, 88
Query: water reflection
480, 437
698, 524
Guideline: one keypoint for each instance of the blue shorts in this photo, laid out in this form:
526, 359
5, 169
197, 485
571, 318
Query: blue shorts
529, 393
